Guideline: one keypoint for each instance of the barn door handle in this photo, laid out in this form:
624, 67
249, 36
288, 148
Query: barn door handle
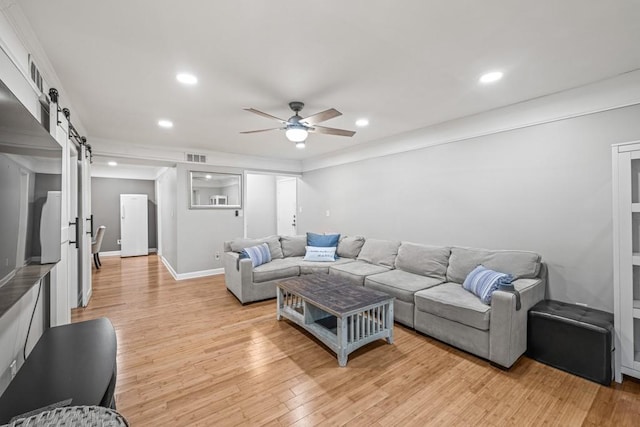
75, 224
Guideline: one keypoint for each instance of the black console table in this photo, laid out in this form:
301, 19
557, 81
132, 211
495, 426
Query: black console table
75, 361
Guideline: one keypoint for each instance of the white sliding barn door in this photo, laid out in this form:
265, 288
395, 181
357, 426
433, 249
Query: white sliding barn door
134, 235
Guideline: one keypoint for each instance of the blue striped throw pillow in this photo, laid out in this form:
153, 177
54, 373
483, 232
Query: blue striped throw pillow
482, 282
259, 254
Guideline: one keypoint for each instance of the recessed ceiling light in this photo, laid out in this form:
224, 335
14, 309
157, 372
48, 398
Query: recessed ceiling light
208, 176
362, 122
112, 163
491, 77
186, 78
165, 123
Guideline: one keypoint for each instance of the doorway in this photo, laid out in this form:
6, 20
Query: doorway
286, 205
270, 205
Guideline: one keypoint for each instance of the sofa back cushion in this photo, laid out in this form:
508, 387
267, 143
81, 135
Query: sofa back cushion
350, 246
425, 260
520, 264
379, 252
293, 245
237, 245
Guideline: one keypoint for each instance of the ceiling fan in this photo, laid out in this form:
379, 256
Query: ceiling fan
298, 128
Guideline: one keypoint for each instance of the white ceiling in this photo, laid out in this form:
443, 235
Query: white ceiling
404, 65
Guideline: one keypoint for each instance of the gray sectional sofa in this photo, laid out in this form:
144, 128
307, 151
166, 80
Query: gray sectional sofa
425, 280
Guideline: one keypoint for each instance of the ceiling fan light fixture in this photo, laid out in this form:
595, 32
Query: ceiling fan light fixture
296, 133
300, 145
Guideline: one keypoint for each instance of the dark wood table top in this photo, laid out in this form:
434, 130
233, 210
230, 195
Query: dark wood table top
25, 279
333, 295
73, 361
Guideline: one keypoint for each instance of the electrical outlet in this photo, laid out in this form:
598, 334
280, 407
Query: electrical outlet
119, 241
14, 368
217, 255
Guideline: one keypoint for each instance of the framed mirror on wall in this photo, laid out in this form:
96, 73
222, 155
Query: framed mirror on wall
213, 190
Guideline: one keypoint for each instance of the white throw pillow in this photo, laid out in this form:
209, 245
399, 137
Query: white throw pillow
320, 254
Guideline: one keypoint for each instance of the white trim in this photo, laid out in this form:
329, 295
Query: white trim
109, 253
191, 274
201, 273
605, 95
170, 156
169, 267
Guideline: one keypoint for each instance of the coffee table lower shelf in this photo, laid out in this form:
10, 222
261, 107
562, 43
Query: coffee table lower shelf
344, 332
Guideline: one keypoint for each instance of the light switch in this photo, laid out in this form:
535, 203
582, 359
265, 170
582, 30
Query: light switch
328, 212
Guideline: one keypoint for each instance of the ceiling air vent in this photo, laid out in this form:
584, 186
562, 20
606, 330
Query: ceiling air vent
196, 158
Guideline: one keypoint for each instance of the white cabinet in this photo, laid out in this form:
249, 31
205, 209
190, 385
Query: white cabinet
626, 257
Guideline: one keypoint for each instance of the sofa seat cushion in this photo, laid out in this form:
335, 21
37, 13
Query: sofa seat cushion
425, 260
451, 301
400, 284
520, 264
276, 269
312, 267
356, 271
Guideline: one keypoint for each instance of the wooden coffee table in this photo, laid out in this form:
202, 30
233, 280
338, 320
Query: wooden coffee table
341, 315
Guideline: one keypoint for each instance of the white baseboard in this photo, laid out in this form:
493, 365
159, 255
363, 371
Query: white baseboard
191, 274
201, 273
171, 270
118, 253
110, 253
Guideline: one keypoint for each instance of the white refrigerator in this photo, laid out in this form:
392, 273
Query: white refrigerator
134, 234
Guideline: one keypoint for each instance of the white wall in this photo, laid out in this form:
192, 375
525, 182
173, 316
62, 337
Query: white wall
544, 188
260, 212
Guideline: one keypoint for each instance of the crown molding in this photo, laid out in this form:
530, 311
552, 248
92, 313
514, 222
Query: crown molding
163, 156
26, 42
617, 92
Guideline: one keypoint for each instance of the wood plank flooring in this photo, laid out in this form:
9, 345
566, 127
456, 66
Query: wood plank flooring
190, 354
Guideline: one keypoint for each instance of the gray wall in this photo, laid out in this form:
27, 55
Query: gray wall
44, 183
105, 206
202, 232
167, 224
260, 213
544, 188
9, 214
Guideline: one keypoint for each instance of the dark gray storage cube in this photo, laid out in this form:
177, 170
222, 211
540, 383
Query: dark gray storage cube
576, 339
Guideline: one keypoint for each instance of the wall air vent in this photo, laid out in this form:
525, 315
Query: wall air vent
196, 158
35, 75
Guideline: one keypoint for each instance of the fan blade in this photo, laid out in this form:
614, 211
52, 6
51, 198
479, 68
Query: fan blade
332, 131
268, 116
261, 130
321, 116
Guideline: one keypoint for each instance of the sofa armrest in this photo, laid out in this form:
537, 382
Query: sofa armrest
238, 274
508, 326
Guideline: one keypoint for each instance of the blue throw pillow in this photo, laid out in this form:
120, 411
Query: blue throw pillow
258, 254
482, 282
320, 254
323, 241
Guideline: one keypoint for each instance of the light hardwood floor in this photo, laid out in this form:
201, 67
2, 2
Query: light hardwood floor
190, 354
